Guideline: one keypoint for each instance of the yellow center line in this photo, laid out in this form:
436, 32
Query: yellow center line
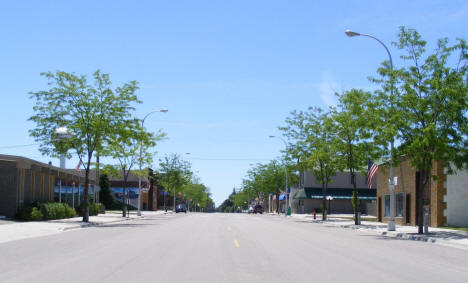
229, 228
236, 243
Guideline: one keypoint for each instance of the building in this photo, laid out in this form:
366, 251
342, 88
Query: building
149, 190
446, 199
307, 197
24, 181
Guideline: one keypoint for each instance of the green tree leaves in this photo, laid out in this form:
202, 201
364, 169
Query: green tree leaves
90, 111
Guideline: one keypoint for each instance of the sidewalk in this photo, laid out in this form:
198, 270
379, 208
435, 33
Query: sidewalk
13, 230
442, 236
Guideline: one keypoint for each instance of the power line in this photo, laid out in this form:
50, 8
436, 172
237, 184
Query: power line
15, 146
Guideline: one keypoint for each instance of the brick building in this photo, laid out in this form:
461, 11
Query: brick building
24, 181
446, 198
149, 192
307, 197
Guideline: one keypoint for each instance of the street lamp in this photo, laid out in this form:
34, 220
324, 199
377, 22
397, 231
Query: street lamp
141, 153
391, 221
285, 173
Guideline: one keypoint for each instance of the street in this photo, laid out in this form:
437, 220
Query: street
197, 247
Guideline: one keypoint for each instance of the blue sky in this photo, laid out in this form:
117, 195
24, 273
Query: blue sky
229, 72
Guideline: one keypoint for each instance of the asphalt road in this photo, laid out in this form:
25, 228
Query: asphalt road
226, 248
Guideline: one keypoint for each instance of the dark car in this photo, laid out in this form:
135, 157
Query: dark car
180, 208
258, 209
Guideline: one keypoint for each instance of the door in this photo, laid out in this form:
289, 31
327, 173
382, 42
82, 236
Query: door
408, 208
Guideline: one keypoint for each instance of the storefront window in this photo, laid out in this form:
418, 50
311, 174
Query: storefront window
399, 203
387, 206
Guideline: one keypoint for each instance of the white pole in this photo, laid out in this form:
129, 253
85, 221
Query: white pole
141, 150
391, 221
139, 181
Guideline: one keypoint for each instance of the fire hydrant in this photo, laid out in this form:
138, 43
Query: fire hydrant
315, 215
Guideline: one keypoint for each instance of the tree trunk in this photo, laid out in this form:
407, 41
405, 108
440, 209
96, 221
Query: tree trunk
324, 201
124, 198
421, 188
356, 203
85, 196
277, 202
96, 195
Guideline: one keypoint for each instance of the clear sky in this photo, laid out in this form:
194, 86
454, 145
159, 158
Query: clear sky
229, 72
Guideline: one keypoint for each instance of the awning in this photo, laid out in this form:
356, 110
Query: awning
336, 193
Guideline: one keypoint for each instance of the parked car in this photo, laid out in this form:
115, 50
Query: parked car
181, 208
251, 209
258, 209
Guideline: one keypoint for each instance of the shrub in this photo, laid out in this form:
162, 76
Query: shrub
94, 209
117, 205
46, 211
29, 213
36, 214
54, 210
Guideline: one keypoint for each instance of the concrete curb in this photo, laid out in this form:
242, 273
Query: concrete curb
402, 236
410, 237
406, 236
93, 224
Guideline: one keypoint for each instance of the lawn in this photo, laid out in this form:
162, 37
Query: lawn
456, 228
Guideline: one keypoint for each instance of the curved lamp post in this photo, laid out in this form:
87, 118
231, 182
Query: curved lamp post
141, 152
285, 173
391, 221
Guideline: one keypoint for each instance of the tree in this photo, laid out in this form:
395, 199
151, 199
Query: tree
128, 145
265, 179
175, 173
90, 112
314, 145
197, 193
227, 205
354, 132
433, 105
105, 195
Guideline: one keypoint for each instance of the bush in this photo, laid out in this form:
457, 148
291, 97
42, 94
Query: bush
55, 210
36, 214
29, 213
117, 205
94, 209
46, 211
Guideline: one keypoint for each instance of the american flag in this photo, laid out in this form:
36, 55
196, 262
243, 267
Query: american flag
371, 170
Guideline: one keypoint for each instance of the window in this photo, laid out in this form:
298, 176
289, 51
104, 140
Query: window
399, 202
387, 206
399, 205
